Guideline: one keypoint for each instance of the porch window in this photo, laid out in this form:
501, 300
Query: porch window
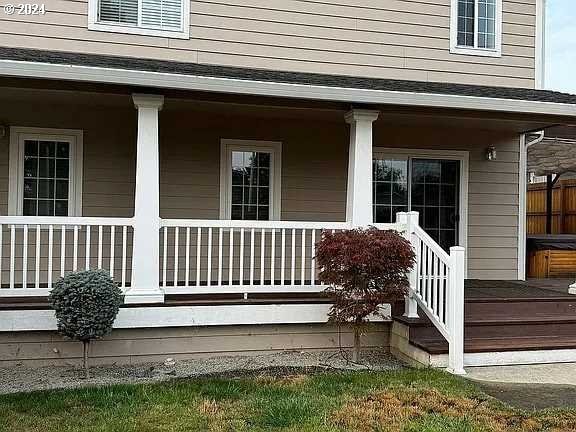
476, 27
45, 172
168, 18
250, 180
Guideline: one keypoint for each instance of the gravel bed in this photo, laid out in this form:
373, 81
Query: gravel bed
25, 379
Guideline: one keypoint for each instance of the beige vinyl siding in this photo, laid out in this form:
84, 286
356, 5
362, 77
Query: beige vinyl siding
314, 159
405, 39
155, 345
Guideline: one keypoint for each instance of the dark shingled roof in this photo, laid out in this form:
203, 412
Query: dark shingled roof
203, 70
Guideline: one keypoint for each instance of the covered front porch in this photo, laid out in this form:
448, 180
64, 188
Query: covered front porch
140, 164
187, 194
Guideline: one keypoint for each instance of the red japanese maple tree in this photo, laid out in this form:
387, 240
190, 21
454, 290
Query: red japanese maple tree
364, 269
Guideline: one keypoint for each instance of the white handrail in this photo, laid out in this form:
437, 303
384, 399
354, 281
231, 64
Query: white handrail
216, 223
429, 241
61, 220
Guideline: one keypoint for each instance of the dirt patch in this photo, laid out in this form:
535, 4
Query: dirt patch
390, 410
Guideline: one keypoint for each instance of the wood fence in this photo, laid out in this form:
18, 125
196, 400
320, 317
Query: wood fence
563, 208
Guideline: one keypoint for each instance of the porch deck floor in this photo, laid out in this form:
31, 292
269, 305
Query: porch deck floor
476, 289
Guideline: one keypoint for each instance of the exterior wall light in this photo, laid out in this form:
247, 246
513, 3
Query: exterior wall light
491, 153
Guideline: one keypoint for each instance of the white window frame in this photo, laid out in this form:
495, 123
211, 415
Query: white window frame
227, 146
461, 155
16, 165
484, 52
94, 24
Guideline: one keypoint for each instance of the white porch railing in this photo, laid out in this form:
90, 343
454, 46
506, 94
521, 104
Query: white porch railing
437, 287
213, 256
222, 256
36, 251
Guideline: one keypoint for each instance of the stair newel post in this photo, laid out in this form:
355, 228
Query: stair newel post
410, 221
455, 311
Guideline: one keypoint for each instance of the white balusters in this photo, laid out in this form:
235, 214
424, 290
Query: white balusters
283, 264
252, 256
293, 258
198, 251
241, 256
12, 254
176, 253
37, 259
25, 258
187, 267
231, 257
50, 254
124, 255
261, 256
220, 241
49, 244
209, 265
272, 255
75, 250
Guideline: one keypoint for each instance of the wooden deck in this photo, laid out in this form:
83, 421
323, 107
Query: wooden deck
507, 316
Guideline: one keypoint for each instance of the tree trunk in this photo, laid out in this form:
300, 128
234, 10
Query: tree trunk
86, 345
356, 352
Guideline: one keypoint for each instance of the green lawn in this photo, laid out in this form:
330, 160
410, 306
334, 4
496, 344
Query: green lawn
406, 400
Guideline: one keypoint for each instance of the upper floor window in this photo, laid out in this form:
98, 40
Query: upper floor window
167, 18
476, 27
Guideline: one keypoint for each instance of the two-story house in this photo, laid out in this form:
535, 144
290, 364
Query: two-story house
196, 149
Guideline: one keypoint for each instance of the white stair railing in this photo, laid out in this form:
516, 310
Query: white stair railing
437, 287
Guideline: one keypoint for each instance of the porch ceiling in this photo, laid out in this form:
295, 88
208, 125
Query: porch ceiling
94, 97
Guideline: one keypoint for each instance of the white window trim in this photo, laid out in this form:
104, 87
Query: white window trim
463, 157
483, 52
226, 148
94, 24
16, 165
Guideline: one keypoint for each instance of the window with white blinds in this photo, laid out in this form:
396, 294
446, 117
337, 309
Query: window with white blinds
150, 17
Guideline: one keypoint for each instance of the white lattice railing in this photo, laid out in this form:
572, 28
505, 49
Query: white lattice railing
36, 251
437, 287
211, 256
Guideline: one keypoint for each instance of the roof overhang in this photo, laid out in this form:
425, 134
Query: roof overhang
164, 80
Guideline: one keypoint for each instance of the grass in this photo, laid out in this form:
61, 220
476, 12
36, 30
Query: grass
406, 400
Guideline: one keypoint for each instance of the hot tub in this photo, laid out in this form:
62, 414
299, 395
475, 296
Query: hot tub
551, 256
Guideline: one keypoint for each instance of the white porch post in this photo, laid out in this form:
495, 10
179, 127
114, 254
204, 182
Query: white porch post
410, 219
455, 311
146, 250
359, 193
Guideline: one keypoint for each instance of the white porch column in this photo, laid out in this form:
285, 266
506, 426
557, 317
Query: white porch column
359, 193
146, 250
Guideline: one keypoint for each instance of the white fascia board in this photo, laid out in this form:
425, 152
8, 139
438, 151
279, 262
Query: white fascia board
186, 316
25, 69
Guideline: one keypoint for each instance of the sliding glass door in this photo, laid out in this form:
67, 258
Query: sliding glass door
426, 185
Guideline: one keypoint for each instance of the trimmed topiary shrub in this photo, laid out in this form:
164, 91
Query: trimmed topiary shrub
364, 269
86, 305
